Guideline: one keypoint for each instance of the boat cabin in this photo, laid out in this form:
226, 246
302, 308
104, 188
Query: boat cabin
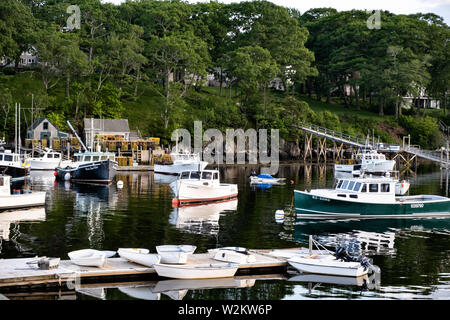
206, 175
365, 186
370, 156
50, 154
94, 156
181, 157
10, 158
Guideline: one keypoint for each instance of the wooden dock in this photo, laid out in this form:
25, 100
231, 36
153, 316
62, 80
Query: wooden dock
16, 273
135, 168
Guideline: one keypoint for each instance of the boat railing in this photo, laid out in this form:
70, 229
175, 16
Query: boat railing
387, 174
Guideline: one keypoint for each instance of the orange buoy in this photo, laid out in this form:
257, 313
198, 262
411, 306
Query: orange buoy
292, 181
175, 203
55, 173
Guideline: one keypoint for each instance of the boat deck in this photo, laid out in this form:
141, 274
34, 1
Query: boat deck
16, 273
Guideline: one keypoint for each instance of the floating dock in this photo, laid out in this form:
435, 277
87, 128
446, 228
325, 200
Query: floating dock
19, 274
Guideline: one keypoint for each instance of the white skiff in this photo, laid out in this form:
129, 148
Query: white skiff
139, 256
88, 257
177, 254
196, 271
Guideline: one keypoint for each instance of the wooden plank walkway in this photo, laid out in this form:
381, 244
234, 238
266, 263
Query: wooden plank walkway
17, 273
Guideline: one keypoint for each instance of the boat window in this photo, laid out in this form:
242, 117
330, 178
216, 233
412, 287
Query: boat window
206, 175
111, 158
339, 184
373, 187
1, 182
357, 186
344, 186
185, 175
95, 158
216, 176
354, 196
104, 158
87, 158
1, 157
56, 156
350, 185
49, 156
8, 157
369, 157
364, 188
385, 187
342, 195
195, 175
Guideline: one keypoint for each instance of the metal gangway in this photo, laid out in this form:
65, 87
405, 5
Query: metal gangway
441, 156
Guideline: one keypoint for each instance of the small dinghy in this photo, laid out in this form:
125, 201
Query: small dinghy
176, 254
88, 258
266, 179
196, 271
139, 256
338, 264
232, 254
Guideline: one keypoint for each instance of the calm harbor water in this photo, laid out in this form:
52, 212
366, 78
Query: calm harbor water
413, 254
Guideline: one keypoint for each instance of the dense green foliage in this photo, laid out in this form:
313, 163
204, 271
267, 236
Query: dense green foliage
148, 61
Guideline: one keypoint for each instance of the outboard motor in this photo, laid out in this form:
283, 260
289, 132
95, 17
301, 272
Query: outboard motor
342, 254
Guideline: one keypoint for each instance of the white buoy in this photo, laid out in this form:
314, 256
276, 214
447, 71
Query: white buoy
120, 184
279, 216
67, 176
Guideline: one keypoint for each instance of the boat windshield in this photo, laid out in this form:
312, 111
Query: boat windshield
206, 175
195, 175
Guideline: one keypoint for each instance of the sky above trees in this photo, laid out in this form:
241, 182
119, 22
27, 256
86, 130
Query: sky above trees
439, 7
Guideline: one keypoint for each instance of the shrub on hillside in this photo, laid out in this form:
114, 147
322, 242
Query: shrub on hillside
424, 131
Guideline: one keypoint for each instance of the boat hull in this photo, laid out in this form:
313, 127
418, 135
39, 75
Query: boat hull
195, 271
189, 193
308, 205
328, 266
93, 172
40, 164
142, 258
176, 169
16, 173
25, 200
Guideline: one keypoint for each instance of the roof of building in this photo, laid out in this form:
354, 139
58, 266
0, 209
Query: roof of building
37, 122
107, 125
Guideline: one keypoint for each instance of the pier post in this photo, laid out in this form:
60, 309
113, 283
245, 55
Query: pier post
308, 146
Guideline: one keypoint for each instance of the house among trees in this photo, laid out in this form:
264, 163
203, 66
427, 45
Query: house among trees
105, 129
43, 129
27, 59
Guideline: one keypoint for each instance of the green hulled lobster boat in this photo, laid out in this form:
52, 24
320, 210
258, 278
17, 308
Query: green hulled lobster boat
367, 197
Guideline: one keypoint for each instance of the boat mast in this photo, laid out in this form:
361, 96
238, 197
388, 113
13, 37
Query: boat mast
81, 142
15, 131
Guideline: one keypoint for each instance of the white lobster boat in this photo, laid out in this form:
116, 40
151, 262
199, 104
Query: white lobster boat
368, 161
49, 160
193, 187
24, 199
139, 256
196, 271
181, 162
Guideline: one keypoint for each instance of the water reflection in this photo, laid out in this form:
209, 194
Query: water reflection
201, 219
10, 222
